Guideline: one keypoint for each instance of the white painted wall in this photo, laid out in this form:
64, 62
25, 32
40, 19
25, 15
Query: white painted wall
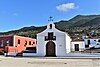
62, 41
68, 43
29, 54
81, 45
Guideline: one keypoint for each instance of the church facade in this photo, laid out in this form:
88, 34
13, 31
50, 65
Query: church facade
52, 42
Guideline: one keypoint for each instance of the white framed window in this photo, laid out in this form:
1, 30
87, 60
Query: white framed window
2, 43
8, 42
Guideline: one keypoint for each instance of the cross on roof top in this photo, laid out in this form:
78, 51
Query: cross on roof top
50, 18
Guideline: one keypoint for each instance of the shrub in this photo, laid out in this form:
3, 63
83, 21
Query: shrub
1, 52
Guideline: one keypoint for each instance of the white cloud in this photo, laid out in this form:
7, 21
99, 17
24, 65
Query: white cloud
66, 7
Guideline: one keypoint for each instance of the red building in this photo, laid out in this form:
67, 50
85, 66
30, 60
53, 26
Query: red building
16, 44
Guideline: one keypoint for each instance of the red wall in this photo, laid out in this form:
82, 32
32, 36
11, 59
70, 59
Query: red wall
22, 45
5, 38
14, 41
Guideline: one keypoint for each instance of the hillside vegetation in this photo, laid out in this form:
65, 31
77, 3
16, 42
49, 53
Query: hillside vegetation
81, 24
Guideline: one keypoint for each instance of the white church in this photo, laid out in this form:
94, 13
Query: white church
52, 42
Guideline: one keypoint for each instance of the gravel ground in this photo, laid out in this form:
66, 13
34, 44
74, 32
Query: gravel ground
47, 62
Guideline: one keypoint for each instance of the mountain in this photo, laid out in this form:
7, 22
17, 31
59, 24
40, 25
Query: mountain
79, 22
93, 22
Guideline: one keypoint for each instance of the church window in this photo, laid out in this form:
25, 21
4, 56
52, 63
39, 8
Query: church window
50, 26
50, 36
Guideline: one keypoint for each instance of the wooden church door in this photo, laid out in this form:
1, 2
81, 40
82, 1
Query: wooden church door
50, 49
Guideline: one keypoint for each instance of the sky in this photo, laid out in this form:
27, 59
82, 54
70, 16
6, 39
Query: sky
16, 14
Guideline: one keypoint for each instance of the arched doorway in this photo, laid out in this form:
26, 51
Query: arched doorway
50, 49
